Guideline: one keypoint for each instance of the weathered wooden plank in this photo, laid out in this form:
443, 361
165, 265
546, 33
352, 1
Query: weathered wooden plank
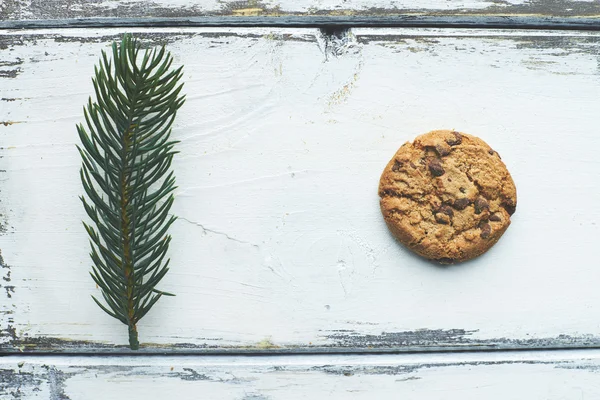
280, 245
326, 22
65, 9
501, 376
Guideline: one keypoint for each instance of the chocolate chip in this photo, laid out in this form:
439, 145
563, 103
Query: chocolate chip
495, 218
442, 218
461, 204
462, 189
412, 164
492, 152
480, 205
397, 165
389, 193
510, 209
441, 150
446, 210
445, 260
436, 168
456, 140
486, 230
444, 214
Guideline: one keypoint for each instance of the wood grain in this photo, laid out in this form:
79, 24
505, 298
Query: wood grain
496, 376
280, 245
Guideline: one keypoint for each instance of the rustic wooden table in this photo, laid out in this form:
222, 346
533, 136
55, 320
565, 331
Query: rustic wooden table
293, 109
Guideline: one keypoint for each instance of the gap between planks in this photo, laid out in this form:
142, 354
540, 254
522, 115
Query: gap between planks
317, 352
330, 359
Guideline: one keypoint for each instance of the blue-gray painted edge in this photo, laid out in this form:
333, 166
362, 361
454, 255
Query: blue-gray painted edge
341, 342
400, 21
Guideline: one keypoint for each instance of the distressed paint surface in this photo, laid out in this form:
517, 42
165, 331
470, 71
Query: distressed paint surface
61, 9
280, 245
495, 376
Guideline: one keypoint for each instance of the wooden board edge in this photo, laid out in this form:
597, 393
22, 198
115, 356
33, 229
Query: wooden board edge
325, 22
263, 377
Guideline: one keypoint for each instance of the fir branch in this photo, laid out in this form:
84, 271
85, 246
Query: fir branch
126, 174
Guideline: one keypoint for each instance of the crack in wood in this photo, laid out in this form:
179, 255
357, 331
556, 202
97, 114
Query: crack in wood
226, 235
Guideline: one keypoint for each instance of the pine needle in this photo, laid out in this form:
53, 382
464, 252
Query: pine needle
126, 154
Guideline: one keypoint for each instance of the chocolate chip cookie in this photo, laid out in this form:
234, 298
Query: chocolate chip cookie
447, 196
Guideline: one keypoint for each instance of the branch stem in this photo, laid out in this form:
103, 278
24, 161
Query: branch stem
134, 344
125, 230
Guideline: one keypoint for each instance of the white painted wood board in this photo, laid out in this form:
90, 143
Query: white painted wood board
61, 9
492, 376
280, 245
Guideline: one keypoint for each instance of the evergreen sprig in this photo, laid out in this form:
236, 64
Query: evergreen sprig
127, 177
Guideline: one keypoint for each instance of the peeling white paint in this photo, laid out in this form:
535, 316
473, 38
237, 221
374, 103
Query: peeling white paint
60, 9
495, 376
